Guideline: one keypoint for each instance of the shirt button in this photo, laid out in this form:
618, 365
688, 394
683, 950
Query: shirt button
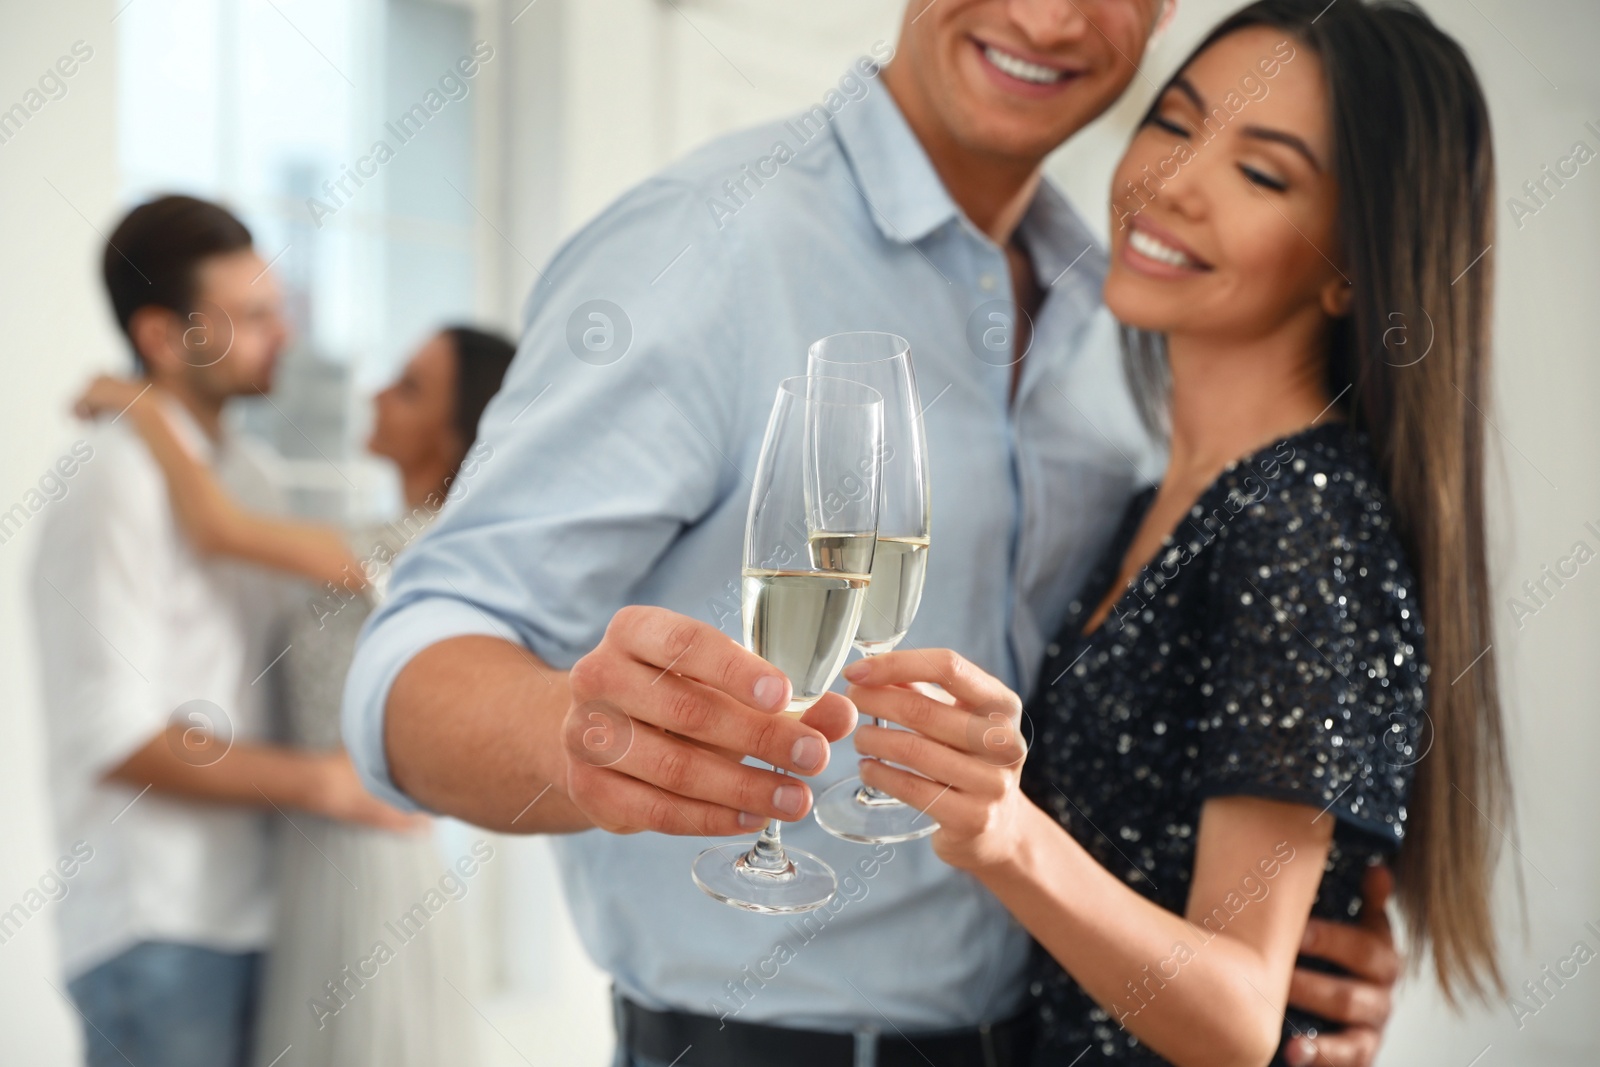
986, 282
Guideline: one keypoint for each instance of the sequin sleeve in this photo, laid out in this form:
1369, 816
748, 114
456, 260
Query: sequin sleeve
1313, 690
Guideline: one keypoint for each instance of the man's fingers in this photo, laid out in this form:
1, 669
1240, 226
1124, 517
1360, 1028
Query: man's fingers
1364, 952
682, 769
940, 666
833, 716
681, 645
1376, 888
1356, 1047
645, 698
1340, 1000
622, 804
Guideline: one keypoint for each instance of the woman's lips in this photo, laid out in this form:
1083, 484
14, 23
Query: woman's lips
1152, 251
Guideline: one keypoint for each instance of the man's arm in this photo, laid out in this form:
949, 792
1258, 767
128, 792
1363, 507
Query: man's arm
642, 734
1360, 1003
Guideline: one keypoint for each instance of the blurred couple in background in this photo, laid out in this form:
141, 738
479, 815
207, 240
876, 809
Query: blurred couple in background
196, 643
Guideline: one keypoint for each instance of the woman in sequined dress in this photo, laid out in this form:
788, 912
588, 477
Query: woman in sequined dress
328, 994
1280, 670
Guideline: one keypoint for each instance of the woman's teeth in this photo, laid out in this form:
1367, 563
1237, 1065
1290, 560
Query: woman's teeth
1146, 245
1021, 69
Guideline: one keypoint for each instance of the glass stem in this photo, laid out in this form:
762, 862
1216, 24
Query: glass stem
867, 794
767, 853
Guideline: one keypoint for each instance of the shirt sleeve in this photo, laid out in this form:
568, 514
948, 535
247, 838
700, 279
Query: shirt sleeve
609, 437
1314, 692
94, 584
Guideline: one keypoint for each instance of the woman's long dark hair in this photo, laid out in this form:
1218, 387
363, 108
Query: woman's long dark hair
481, 362
1414, 162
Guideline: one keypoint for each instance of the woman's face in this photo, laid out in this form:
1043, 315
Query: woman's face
1224, 210
414, 418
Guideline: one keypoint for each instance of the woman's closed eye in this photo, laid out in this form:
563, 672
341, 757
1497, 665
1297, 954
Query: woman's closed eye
1261, 178
1172, 126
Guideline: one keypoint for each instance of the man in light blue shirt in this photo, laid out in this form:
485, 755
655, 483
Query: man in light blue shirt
592, 561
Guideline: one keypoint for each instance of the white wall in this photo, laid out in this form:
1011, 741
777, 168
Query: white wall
55, 331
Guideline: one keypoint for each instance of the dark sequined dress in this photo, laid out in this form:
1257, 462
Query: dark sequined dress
1271, 648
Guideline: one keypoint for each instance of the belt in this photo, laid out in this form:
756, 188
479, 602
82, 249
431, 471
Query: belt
687, 1040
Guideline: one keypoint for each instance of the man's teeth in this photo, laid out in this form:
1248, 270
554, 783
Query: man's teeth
1021, 68
1146, 245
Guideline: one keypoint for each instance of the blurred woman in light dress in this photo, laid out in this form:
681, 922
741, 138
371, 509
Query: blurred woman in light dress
331, 993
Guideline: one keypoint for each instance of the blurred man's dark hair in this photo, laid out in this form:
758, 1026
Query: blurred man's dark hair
153, 255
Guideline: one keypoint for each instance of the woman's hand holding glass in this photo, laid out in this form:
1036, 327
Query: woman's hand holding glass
959, 760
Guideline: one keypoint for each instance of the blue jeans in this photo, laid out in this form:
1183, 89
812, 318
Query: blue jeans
169, 1005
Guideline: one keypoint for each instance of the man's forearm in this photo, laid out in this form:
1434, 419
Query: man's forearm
473, 729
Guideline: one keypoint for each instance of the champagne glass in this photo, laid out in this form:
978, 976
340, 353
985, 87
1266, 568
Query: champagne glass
851, 809
808, 546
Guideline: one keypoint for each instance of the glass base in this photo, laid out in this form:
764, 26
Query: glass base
730, 873
851, 811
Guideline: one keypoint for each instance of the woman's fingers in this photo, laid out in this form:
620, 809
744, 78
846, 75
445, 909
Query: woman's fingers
989, 731
911, 789
941, 666
931, 760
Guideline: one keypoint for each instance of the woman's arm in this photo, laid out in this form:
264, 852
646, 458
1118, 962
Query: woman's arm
214, 523
1202, 989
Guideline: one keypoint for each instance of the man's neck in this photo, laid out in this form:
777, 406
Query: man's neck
204, 409
992, 191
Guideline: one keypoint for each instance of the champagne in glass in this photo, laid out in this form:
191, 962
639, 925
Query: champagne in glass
851, 809
809, 541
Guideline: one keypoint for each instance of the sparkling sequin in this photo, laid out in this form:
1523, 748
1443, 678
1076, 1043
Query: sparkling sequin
1276, 657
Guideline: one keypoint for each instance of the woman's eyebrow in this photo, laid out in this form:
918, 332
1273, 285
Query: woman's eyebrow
1262, 133
1184, 86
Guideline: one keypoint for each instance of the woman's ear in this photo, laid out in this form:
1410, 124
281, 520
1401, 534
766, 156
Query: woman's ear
1337, 295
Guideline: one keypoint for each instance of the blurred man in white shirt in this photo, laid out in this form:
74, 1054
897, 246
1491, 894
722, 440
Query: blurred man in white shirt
153, 659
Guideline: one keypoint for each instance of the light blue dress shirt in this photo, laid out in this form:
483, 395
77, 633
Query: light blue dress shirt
618, 469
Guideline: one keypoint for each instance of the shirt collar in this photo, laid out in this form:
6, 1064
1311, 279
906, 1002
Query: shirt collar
1063, 248
189, 432
892, 171
908, 201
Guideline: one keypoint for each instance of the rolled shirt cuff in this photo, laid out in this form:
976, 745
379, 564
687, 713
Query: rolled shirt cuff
384, 649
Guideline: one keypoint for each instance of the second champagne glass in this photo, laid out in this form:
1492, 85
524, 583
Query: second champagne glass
851, 809
809, 541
